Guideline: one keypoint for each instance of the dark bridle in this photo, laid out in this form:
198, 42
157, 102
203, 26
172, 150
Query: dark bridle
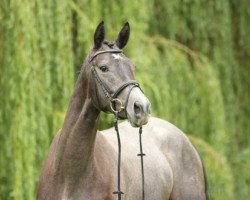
112, 97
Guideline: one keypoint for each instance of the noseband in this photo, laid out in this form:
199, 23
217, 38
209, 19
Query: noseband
113, 101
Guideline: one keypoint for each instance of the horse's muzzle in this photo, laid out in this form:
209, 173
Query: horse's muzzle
138, 108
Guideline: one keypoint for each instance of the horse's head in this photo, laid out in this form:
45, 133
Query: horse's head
113, 86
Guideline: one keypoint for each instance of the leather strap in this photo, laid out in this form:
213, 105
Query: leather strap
122, 87
102, 52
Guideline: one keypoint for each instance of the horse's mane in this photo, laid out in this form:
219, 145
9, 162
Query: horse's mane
108, 43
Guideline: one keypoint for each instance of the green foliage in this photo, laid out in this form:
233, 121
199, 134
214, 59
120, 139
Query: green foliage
207, 31
181, 94
219, 174
241, 169
197, 78
36, 58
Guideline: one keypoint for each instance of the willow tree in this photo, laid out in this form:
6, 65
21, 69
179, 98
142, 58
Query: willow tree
220, 30
36, 79
185, 62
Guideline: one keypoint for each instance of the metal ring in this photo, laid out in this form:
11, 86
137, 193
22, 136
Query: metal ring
116, 101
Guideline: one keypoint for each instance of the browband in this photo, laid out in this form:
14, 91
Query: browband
102, 52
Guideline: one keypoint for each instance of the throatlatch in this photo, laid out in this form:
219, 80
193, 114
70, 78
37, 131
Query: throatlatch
113, 101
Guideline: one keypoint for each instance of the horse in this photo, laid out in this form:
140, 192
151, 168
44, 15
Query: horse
81, 162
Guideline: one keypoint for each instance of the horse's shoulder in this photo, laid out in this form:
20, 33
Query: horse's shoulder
165, 132
182, 156
169, 138
174, 143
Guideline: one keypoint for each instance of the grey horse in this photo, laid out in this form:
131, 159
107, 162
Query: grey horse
81, 162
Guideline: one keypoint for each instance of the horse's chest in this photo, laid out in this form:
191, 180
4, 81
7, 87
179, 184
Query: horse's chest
158, 174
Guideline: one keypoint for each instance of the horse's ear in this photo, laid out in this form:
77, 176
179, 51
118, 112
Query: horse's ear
99, 35
123, 36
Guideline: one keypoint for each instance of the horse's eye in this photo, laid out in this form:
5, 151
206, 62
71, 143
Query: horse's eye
104, 68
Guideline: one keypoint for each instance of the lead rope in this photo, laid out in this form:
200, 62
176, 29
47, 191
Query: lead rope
141, 154
118, 192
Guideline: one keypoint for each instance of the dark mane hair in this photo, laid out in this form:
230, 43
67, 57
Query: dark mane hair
108, 43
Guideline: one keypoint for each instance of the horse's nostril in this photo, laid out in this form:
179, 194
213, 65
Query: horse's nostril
137, 108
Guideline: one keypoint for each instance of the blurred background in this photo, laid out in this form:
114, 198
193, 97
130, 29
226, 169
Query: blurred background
193, 62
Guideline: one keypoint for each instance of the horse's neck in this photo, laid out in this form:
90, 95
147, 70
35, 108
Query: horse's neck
77, 137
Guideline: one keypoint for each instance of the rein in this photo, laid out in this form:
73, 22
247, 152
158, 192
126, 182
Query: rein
113, 101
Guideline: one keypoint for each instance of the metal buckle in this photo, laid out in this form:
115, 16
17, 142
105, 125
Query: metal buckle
116, 101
